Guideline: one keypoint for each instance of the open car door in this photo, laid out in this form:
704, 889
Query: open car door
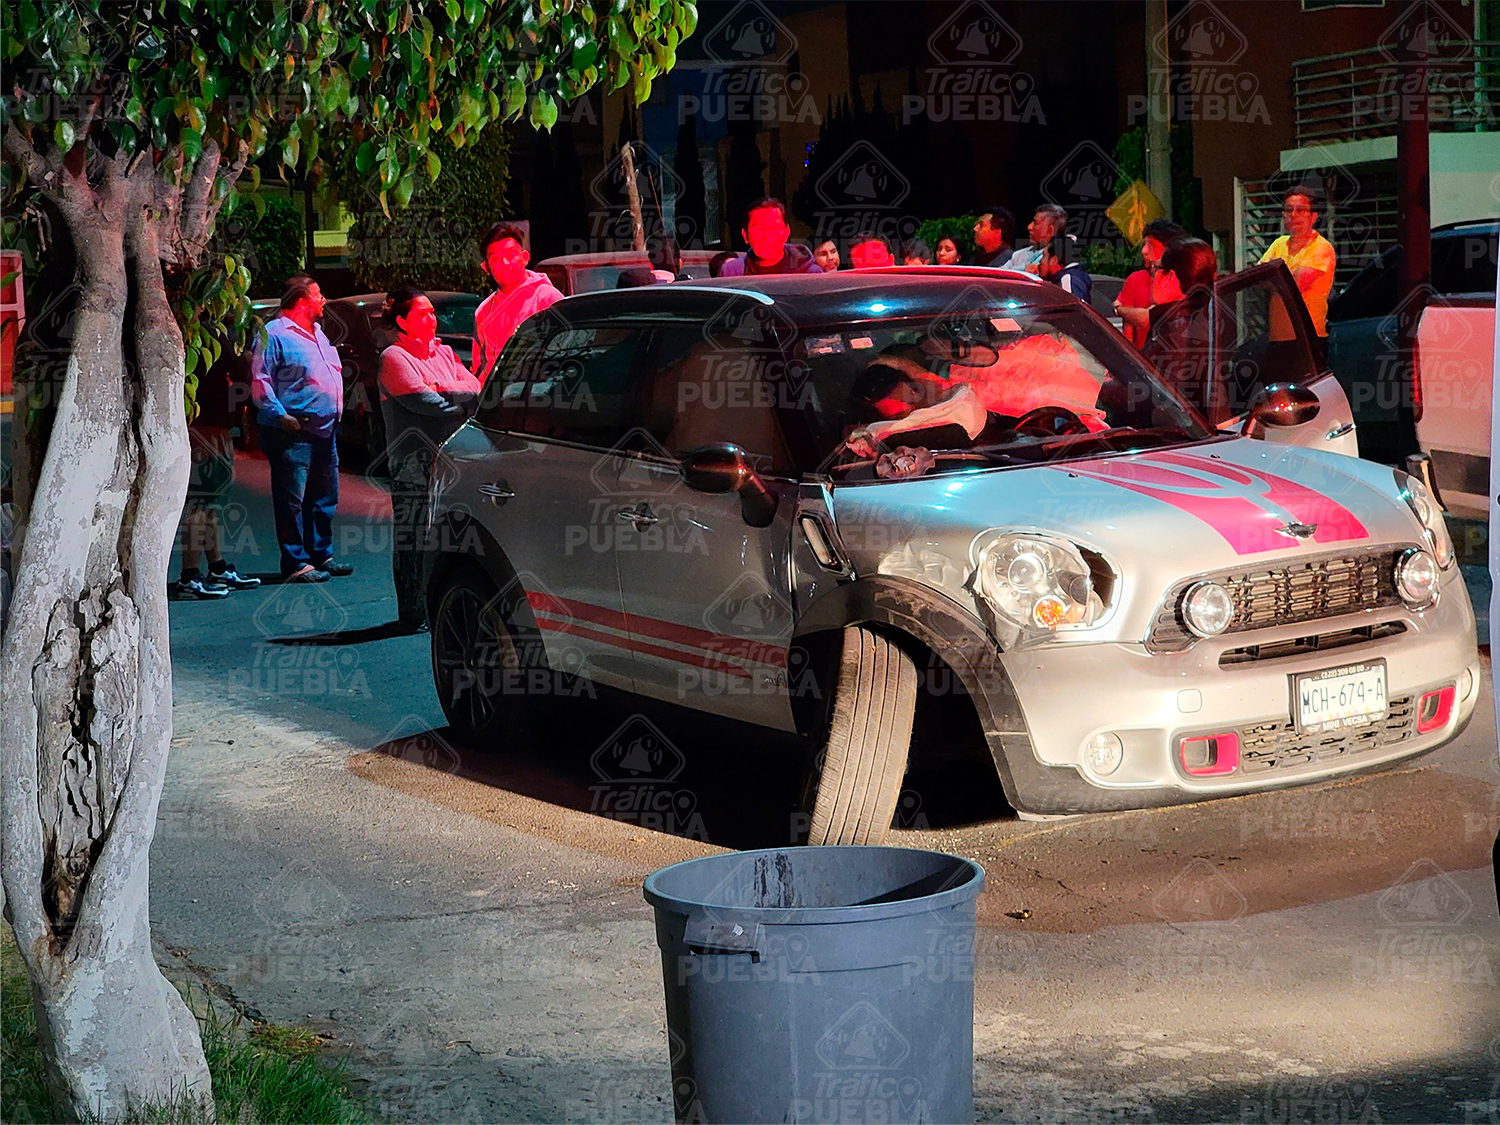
1263, 335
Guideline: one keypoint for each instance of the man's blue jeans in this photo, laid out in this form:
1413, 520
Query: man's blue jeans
304, 494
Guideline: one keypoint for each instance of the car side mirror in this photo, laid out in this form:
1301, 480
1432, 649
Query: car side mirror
723, 467
1280, 404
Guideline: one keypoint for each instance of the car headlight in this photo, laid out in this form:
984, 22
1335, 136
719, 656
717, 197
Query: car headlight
1425, 507
1037, 583
1208, 609
1417, 579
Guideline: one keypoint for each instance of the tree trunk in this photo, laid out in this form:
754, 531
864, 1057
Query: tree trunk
86, 722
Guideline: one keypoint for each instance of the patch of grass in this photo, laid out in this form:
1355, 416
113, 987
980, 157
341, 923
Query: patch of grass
272, 1076
297, 1042
24, 1096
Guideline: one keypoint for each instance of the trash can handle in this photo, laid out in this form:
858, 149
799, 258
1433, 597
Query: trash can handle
707, 935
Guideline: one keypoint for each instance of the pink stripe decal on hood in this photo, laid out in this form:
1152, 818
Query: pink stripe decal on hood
1245, 526
1335, 523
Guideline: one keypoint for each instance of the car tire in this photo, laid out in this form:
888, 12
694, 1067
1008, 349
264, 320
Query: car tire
857, 772
473, 646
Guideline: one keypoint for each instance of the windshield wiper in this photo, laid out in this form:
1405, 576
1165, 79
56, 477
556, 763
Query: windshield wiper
1123, 440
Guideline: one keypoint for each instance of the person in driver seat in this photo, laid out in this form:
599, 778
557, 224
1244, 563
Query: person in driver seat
899, 393
1036, 373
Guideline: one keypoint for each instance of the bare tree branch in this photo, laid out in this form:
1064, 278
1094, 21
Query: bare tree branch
196, 220
39, 170
165, 202
89, 113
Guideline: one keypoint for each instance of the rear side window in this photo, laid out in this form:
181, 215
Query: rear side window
1372, 293
1464, 262
502, 403
455, 315
348, 329
706, 387
583, 384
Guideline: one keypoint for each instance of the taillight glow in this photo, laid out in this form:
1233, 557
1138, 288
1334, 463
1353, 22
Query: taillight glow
1416, 383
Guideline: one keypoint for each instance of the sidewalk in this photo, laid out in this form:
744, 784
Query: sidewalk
498, 963
472, 939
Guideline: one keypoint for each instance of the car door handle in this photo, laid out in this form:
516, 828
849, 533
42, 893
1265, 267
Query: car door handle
497, 492
1339, 431
641, 516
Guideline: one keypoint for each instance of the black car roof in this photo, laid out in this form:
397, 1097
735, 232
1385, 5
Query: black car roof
848, 295
436, 296
1467, 226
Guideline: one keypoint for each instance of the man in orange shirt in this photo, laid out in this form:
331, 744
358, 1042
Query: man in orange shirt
1311, 259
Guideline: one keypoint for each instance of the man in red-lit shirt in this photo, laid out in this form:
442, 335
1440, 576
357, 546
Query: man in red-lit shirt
870, 250
521, 293
1134, 302
766, 232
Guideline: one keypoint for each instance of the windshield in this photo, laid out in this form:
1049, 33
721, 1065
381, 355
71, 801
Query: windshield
983, 386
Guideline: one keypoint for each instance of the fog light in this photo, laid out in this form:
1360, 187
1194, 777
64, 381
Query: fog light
1434, 710
1466, 685
1103, 754
1208, 755
1208, 609
1417, 579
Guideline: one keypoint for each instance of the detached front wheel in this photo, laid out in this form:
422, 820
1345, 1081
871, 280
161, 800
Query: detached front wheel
857, 772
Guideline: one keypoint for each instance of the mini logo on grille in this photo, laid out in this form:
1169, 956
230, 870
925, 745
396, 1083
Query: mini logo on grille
1300, 530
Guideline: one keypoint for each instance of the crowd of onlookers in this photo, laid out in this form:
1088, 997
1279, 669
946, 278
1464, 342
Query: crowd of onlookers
426, 392
1050, 252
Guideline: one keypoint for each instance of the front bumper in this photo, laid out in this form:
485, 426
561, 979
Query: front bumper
1069, 692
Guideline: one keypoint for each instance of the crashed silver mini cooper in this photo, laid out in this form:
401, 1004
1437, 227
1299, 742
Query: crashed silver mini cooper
796, 500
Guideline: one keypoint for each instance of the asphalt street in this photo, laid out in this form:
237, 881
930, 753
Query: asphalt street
465, 925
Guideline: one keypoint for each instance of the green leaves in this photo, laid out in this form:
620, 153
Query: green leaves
402, 90
543, 110
403, 189
192, 144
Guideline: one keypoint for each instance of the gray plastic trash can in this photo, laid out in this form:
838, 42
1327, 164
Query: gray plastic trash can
820, 984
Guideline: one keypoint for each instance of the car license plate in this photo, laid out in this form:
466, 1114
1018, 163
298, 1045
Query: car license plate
1335, 698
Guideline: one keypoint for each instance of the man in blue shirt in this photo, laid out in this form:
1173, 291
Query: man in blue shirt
297, 384
1059, 264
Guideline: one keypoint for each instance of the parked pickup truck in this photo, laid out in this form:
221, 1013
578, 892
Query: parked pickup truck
1451, 397
1365, 323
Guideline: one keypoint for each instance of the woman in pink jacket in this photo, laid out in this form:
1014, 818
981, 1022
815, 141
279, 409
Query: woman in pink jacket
426, 393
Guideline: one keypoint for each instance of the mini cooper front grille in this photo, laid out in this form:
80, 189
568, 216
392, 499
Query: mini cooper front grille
1311, 589
1276, 746
1304, 646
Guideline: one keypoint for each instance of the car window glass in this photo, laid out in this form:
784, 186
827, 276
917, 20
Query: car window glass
502, 402
591, 279
583, 387
1372, 293
347, 328
1262, 340
707, 388
1050, 382
1464, 262
455, 315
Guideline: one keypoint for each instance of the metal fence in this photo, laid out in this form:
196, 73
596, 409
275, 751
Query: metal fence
1358, 215
1364, 93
